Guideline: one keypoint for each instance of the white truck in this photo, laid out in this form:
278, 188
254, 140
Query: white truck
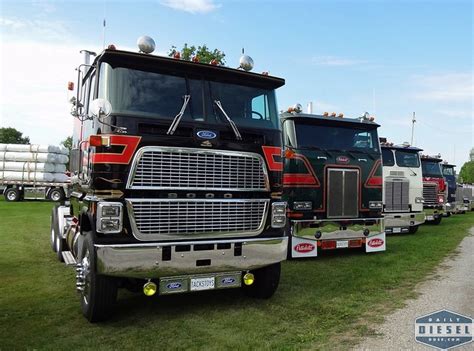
33, 172
402, 188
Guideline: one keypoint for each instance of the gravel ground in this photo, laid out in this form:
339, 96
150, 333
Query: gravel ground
452, 289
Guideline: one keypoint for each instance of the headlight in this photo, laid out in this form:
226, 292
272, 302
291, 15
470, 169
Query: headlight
375, 205
440, 199
278, 214
302, 205
109, 217
419, 200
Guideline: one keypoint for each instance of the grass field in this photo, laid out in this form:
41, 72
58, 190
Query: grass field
322, 303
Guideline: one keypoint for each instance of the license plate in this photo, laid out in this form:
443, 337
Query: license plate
397, 230
342, 244
202, 284
429, 218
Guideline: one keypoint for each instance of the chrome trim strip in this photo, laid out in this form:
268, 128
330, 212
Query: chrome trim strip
147, 237
141, 151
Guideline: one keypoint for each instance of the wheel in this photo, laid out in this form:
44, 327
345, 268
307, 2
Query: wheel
54, 227
59, 247
413, 229
437, 220
98, 292
56, 194
12, 194
266, 282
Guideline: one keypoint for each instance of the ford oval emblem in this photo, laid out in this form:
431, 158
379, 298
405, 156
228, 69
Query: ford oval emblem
206, 134
174, 285
227, 280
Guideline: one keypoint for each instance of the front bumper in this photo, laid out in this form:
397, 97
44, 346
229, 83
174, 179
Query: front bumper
401, 222
432, 214
157, 260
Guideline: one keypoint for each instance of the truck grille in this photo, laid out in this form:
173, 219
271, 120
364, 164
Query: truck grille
342, 194
430, 193
161, 219
397, 195
170, 168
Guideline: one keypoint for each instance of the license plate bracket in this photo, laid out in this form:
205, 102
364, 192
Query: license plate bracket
342, 244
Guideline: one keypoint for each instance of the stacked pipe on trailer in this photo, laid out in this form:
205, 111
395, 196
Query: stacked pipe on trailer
33, 163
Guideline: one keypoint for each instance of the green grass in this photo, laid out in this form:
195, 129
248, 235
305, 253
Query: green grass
321, 303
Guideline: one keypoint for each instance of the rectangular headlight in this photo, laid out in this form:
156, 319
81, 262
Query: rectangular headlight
302, 205
278, 214
109, 217
375, 204
419, 200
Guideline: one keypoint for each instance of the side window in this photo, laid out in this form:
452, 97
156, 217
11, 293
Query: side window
387, 157
363, 140
260, 107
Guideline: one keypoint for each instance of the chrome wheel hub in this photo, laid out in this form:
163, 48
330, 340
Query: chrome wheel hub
83, 277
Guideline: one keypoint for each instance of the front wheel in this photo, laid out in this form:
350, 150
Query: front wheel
98, 292
56, 195
266, 282
437, 220
12, 194
413, 229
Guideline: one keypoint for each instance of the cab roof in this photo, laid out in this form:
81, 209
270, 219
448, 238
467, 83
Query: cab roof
430, 159
400, 147
320, 119
449, 165
129, 59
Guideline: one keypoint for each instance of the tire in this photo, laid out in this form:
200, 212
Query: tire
266, 282
56, 195
12, 194
54, 227
100, 292
413, 229
437, 220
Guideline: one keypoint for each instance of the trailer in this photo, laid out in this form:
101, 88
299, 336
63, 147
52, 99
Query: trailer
332, 181
403, 188
177, 179
19, 190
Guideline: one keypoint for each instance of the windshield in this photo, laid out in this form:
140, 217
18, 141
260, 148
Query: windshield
448, 171
336, 138
161, 95
407, 159
431, 169
387, 157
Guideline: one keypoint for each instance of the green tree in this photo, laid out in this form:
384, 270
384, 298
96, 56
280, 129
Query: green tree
203, 53
12, 136
467, 172
67, 143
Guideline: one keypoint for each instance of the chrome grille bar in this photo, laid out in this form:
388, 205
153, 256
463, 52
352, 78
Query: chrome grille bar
172, 168
171, 219
430, 193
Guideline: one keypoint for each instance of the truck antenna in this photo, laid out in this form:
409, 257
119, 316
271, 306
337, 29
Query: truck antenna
103, 29
413, 120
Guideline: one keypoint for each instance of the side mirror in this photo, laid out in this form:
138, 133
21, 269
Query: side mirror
100, 108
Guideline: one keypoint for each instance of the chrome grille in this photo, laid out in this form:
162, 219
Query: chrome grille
343, 199
430, 193
397, 195
172, 168
154, 219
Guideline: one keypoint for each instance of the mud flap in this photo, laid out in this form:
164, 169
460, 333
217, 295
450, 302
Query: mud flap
375, 243
303, 247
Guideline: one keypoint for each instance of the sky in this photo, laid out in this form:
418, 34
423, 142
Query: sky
390, 58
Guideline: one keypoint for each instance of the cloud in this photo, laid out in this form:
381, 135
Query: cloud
192, 6
335, 61
44, 29
447, 87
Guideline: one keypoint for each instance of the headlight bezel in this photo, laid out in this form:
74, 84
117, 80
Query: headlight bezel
108, 212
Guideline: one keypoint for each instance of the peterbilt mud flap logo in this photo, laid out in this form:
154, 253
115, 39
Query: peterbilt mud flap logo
375, 243
301, 247
443, 329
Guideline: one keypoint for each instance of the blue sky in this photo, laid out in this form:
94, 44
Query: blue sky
386, 57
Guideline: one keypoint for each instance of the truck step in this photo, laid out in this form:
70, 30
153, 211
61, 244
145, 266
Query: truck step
69, 259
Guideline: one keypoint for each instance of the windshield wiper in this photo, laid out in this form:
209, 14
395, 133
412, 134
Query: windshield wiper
178, 117
231, 122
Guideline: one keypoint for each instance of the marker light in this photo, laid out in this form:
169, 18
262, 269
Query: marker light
214, 62
341, 115
150, 288
333, 114
177, 55
249, 278
195, 58
70, 86
264, 73
325, 114
111, 47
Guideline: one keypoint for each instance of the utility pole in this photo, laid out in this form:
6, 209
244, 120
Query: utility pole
413, 120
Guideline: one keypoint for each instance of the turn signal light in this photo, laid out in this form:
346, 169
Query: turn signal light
150, 288
328, 244
249, 278
98, 140
70, 86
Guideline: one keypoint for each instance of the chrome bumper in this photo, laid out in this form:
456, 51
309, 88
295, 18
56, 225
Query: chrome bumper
402, 221
156, 260
337, 229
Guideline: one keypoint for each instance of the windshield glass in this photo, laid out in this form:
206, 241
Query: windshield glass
407, 159
431, 169
336, 138
161, 95
448, 171
387, 157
